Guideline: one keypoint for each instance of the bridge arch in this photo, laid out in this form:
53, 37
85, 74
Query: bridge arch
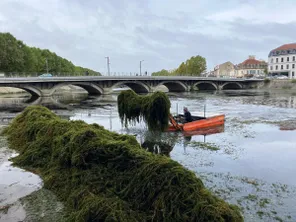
206, 85
174, 86
91, 88
136, 86
34, 92
231, 85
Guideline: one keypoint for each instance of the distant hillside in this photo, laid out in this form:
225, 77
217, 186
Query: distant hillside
17, 57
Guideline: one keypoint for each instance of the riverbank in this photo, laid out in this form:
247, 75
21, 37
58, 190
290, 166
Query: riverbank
278, 84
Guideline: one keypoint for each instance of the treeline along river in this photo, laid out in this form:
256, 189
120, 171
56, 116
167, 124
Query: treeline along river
249, 162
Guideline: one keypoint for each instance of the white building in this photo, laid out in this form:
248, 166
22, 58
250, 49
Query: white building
282, 61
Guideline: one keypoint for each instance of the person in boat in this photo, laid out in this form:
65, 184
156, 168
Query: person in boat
187, 115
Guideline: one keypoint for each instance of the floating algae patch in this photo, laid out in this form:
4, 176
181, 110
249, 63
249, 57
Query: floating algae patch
153, 109
204, 146
105, 176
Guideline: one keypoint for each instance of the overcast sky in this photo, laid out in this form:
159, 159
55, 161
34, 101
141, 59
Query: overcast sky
162, 32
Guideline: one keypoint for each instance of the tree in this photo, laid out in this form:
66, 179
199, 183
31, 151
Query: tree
15, 56
194, 66
163, 72
181, 70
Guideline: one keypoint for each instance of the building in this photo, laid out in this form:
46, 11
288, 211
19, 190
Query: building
226, 69
251, 67
281, 61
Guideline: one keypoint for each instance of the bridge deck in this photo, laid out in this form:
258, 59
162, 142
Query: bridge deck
116, 78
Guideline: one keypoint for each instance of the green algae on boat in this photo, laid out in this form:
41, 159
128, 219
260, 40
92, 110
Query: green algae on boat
154, 109
105, 176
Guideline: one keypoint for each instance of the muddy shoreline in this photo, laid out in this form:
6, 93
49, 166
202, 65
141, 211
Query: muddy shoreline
22, 197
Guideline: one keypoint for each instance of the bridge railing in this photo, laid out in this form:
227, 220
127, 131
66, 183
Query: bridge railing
77, 74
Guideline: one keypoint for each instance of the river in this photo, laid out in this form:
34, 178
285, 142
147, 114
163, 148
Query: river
249, 162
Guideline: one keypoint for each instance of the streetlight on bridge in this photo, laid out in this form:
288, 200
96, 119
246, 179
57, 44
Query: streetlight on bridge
141, 67
108, 64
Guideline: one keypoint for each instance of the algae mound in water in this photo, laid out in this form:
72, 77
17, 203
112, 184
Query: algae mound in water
154, 109
105, 176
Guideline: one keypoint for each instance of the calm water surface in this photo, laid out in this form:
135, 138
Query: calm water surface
253, 168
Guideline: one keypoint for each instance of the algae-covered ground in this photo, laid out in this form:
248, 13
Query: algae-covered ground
105, 176
254, 167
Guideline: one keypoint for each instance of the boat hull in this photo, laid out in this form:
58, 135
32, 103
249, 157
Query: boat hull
200, 124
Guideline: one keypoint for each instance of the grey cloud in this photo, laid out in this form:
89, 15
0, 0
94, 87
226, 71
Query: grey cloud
130, 30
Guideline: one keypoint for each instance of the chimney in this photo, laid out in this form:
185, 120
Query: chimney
251, 57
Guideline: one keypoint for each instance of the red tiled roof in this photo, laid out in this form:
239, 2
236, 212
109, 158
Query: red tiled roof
285, 47
251, 62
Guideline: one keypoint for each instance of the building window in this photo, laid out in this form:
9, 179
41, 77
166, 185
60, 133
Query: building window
287, 66
293, 66
293, 58
282, 66
270, 67
277, 60
271, 60
282, 59
276, 67
293, 74
287, 59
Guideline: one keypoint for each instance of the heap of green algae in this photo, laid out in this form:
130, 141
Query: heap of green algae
154, 109
105, 176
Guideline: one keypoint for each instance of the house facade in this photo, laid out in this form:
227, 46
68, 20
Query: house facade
249, 67
226, 70
282, 61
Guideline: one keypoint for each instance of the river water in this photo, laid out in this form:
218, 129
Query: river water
252, 163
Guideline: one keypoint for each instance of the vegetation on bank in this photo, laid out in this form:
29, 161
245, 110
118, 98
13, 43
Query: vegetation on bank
153, 109
194, 66
266, 81
17, 57
105, 176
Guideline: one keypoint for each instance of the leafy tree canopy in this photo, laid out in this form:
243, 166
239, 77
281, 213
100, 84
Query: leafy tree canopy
194, 66
15, 56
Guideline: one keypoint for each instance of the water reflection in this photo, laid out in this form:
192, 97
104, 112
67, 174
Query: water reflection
163, 143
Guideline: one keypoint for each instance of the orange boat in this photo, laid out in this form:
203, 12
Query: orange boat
196, 124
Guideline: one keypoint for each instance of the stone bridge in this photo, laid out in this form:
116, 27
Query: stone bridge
97, 85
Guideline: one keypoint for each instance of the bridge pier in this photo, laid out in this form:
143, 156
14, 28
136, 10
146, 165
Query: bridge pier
107, 91
46, 92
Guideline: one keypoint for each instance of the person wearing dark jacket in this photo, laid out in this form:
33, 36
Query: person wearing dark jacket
187, 115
